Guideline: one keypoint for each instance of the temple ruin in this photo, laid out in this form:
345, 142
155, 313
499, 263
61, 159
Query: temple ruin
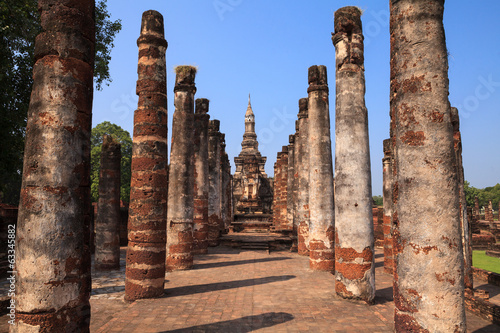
252, 190
183, 208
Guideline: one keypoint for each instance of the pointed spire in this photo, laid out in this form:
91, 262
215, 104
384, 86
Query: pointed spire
249, 108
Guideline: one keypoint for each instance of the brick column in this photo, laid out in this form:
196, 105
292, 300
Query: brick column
464, 220
428, 278
477, 213
53, 257
200, 217
303, 179
214, 191
295, 186
224, 179
145, 272
387, 197
321, 207
226, 190
488, 212
290, 182
354, 243
181, 174
107, 252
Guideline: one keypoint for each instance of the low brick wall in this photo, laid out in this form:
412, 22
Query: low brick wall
486, 276
482, 241
483, 309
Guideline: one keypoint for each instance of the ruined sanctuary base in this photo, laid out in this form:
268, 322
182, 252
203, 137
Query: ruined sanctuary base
234, 290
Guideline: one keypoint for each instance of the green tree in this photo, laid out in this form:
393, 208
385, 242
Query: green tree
378, 200
19, 26
121, 136
470, 194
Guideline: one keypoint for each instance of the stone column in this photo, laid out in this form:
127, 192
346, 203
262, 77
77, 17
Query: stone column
295, 187
280, 190
223, 184
303, 179
354, 243
107, 253
145, 272
464, 220
214, 190
200, 215
428, 277
275, 192
226, 190
488, 212
53, 236
290, 182
181, 174
387, 198
477, 213
321, 206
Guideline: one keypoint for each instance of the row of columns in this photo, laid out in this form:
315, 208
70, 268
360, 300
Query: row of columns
428, 225
337, 236
281, 219
180, 209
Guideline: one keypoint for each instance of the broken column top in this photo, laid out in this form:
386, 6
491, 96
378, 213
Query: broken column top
317, 78
348, 39
284, 149
184, 79
291, 138
214, 125
387, 145
152, 30
108, 142
317, 75
296, 126
348, 20
303, 107
201, 106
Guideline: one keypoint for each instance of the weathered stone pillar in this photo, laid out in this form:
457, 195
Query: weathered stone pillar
428, 277
303, 179
214, 189
295, 187
226, 190
477, 213
107, 252
145, 272
488, 212
387, 198
290, 182
354, 242
321, 206
223, 184
280, 190
200, 215
53, 257
181, 174
464, 220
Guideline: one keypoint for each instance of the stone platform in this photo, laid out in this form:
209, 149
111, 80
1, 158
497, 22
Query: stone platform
231, 290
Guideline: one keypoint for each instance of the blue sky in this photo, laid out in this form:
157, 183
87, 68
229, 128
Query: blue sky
265, 48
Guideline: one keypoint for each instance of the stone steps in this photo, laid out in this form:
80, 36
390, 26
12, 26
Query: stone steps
255, 246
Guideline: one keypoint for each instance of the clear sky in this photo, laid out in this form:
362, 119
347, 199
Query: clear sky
266, 47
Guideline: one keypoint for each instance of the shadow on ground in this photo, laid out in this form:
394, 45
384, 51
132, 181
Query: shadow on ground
488, 329
241, 325
238, 262
204, 288
383, 295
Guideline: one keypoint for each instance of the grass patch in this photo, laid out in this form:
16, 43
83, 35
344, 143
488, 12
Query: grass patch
481, 260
